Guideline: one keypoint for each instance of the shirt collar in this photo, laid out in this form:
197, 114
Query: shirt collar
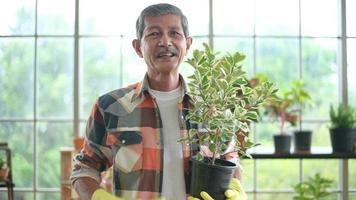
143, 87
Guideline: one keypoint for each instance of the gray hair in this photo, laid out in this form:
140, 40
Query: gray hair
159, 10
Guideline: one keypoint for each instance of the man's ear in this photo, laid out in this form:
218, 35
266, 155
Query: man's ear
136, 44
189, 43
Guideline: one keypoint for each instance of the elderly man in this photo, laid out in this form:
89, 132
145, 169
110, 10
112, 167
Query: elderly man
135, 129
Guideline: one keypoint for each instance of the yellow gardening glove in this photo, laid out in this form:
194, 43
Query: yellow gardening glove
101, 194
235, 192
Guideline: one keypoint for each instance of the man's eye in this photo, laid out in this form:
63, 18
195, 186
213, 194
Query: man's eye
153, 34
176, 33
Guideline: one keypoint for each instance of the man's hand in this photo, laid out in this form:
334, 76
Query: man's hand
101, 194
235, 192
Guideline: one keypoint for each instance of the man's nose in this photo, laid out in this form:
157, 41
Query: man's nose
165, 40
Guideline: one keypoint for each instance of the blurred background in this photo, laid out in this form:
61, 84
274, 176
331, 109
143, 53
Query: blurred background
58, 56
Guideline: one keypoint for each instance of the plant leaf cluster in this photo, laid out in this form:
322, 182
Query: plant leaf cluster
223, 101
343, 117
287, 104
315, 188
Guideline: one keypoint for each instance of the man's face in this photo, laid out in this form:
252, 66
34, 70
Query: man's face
163, 44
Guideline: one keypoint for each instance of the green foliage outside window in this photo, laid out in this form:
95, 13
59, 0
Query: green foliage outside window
315, 188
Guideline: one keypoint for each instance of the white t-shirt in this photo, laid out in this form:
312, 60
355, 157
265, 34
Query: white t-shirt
173, 175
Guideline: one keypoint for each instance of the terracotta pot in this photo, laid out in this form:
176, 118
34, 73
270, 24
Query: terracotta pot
4, 173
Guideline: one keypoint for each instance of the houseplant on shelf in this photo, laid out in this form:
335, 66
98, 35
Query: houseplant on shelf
224, 106
286, 108
302, 137
313, 189
4, 170
343, 129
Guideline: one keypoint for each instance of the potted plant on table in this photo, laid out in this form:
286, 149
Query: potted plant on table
343, 129
313, 189
286, 108
225, 106
4, 170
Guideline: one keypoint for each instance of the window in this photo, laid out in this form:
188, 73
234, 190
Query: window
53, 66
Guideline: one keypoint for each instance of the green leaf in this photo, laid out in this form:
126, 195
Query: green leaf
212, 147
252, 115
201, 60
241, 81
199, 157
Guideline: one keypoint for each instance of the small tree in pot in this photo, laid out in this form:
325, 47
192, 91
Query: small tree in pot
343, 129
286, 108
302, 137
225, 105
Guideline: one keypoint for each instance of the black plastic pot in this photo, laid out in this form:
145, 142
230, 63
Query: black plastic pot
282, 143
213, 179
343, 140
302, 141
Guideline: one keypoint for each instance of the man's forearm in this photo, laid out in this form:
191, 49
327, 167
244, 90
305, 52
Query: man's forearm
85, 187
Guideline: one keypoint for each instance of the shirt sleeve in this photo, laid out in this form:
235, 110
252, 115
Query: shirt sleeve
95, 156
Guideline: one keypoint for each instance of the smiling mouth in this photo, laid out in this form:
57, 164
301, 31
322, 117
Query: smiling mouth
165, 55
167, 52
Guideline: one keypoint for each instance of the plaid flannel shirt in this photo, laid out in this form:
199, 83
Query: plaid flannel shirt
125, 130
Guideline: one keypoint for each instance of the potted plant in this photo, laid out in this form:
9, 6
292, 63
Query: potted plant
313, 189
286, 108
343, 129
302, 137
224, 106
4, 170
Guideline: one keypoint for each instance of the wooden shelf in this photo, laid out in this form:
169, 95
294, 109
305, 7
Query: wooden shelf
66, 168
316, 153
303, 156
